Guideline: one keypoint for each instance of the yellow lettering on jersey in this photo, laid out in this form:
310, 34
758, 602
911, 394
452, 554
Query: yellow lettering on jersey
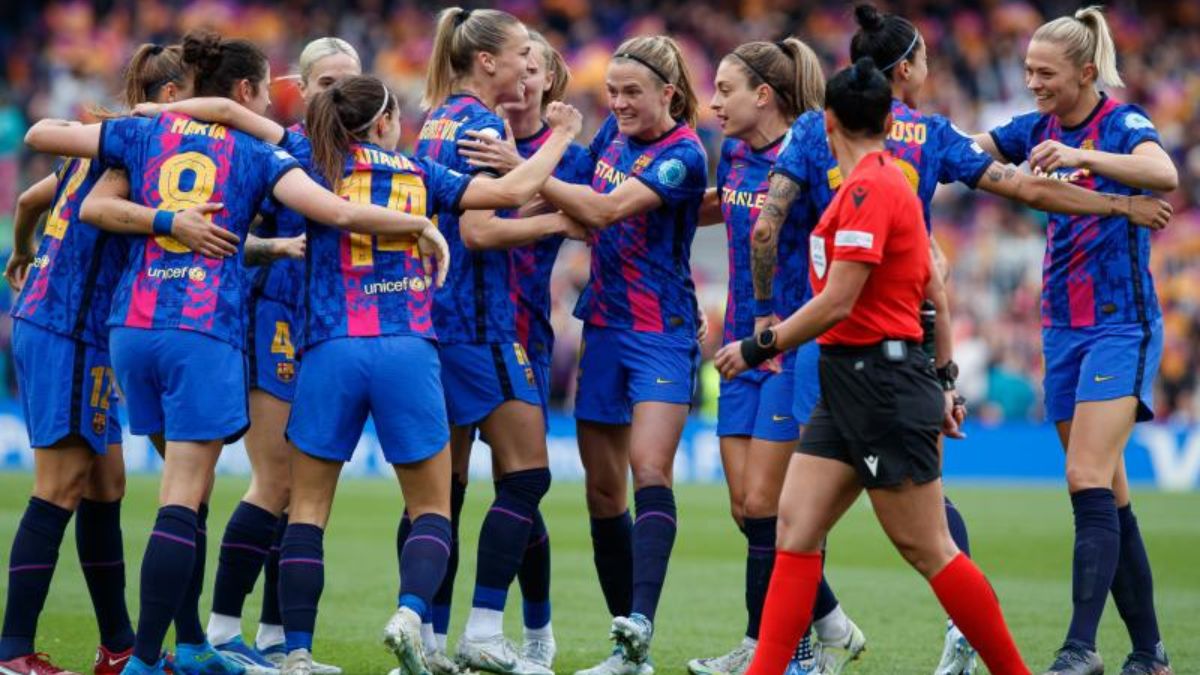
188, 127
752, 200
440, 130
834, 176
56, 224
908, 132
609, 174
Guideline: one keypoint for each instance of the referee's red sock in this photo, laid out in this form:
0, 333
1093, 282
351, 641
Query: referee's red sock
969, 599
787, 610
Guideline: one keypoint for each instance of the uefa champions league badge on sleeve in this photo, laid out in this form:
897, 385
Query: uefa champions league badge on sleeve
672, 173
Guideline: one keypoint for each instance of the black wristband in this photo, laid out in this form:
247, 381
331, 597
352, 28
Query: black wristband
754, 352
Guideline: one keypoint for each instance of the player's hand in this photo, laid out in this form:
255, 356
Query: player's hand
290, 247
702, 329
564, 118
483, 149
1149, 212
762, 323
954, 415
435, 254
729, 361
573, 229
1051, 155
536, 207
17, 269
147, 109
193, 227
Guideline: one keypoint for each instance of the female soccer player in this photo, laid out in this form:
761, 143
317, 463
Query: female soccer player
877, 421
639, 353
60, 347
178, 318
760, 90
1101, 322
545, 82
480, 60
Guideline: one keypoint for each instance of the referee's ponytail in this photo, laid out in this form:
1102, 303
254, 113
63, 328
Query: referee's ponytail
861, 98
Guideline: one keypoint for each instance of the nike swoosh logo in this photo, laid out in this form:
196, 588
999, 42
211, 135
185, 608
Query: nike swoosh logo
662, 381
780, 418
1104, 378
117, 662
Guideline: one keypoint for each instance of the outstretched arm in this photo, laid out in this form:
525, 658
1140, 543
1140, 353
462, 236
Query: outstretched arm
220, 110
598, 210
1148, 167
63, 137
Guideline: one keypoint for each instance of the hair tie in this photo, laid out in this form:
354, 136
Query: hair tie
156, 49
387, 95
782, 44
462, 17
911, 45
644, 62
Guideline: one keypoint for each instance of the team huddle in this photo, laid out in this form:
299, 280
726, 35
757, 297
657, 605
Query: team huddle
233, 278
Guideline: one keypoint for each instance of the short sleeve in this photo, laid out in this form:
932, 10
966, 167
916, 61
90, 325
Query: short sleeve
794, 155
678, 175
444, 185
272, 163
576, 166
962, 159
864, 217
723, 163
1132, 127
1013, 138
488, 124
120, 141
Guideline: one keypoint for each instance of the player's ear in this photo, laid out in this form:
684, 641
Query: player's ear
887, 124
169, 93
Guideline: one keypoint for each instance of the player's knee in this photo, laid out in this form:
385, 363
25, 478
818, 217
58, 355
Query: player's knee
1082, 477
651, 476
270, 490
796, 534
64, 489
527, 487
105, 486
925, 556
759, 506
605, 500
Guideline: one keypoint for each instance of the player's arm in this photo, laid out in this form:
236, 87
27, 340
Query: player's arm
1147, 167
221, 111
597, 210
943, 348
710, 208
32, 203
484, 230
989, 146
261, 251
304, 196
107, 207
523, 182
1047, 194
64, 137
764, 242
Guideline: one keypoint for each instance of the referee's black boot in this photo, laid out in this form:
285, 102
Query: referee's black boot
1076, 659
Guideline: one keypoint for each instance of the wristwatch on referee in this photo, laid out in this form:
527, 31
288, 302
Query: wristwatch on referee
947, 376
760, 348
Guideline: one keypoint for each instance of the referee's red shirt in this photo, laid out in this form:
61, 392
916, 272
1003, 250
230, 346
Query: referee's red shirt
875, 218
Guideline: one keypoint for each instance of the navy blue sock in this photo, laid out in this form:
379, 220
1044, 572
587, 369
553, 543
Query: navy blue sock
612, 551
170, 556
188, 630
301, 580
505, 534
30, 568
445, 592
826, 600
760, 560
653, 539
244, 548
102, 557
534, 575
958, 528
270, 601
1133, 586
423, 562
1097, 548
402, 532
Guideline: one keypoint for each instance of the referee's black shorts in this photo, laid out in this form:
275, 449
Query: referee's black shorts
880, 416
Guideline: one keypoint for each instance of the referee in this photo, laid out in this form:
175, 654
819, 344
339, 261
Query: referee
876, 425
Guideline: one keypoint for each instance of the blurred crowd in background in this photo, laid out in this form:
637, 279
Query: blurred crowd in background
62, 57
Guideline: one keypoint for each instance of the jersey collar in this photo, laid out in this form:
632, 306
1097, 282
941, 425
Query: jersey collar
768, 146
668, 132
1091, 116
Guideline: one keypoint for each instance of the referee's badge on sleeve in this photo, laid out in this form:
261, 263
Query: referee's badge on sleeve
816, 249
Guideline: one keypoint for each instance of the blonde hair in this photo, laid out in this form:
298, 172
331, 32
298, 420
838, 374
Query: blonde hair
790, 68
1086, 39
462, 33
321, 48
661, 55
553, 62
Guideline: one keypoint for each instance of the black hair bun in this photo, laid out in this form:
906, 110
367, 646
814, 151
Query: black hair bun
868, 17
864, 70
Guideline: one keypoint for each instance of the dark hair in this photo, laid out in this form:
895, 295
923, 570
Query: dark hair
342, 115
887, 38
789, 67
152, 68
218, 64
861, 98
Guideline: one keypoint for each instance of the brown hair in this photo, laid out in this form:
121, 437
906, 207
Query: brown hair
342, 115
151, 68
218, 64
1086, 39
462, 33
790, 68
661, 55
554, 63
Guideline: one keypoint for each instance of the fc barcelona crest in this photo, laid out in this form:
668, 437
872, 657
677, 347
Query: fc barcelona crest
99, 422
285, 371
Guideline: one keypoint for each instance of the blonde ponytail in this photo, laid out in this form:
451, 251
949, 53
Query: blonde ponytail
661, 55
462, 33
1086, 38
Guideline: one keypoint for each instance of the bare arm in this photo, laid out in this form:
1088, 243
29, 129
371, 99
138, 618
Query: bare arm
260, 251
988, 144
483, 230
710, 208
1047, 194
828, 308
220, 110
597, 210
1148, 167
61, 137
764, 240
32, 203
954, 412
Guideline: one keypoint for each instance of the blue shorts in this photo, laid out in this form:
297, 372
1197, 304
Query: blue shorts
396, 379
186, 385
273, 326
758, 404
479, 377
541, 373
806, 382
1101, 363
66, 388
620, 368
